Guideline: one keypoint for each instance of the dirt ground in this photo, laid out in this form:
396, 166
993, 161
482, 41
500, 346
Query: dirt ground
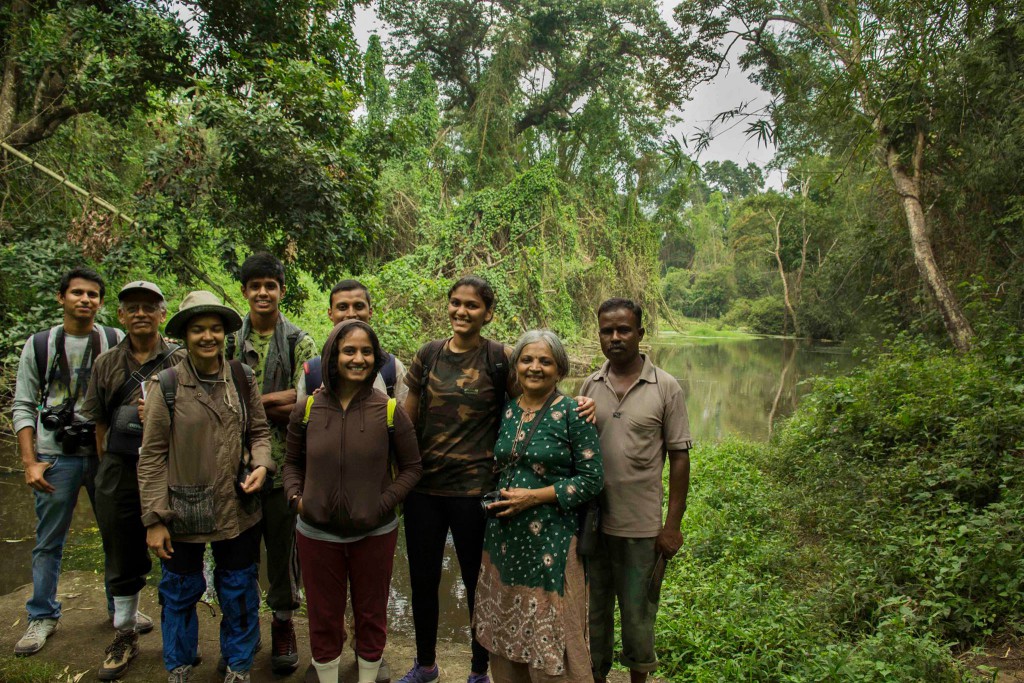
1005, 656
84, 632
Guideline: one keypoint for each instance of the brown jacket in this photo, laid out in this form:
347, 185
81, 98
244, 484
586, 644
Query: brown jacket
340, 462
204, 449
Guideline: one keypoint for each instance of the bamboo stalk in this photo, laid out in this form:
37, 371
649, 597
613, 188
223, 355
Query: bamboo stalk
118, 214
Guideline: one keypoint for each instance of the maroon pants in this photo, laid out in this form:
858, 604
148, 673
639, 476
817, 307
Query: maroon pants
327, 570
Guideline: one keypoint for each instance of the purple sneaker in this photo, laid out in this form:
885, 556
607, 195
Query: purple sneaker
478, 678
421, 674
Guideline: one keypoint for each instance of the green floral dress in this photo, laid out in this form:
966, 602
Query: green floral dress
519, 600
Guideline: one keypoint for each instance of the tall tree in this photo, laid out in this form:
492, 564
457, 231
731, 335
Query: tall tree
546, 59
255, 104
851, 76
64, 59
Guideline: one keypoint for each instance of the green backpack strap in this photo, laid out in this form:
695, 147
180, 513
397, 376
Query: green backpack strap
392, 403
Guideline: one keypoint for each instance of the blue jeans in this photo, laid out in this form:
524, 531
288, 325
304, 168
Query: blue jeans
238, 591
67, 474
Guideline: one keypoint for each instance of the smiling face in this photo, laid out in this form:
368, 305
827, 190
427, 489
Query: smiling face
620, 336
141, 313
204, 336
263, 294
355, 357
82, 300
467, 311
536, 369
349, 304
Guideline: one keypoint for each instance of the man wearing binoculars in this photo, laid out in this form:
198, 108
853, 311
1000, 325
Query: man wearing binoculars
56, 443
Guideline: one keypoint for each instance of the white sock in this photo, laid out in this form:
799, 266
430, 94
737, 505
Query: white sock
126, 611
283, 614
367, 670
328, 671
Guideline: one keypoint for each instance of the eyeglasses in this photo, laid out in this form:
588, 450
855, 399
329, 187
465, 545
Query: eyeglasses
132, 309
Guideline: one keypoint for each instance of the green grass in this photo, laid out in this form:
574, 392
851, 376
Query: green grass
702, 329
27, 670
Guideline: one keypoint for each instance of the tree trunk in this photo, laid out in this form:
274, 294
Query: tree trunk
8, 88
777, 252
908, 186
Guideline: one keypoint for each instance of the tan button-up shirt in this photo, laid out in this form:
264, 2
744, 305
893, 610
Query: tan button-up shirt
110, 372
636, 434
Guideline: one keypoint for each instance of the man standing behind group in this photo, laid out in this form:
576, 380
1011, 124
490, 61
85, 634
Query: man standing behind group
641, 416
56, 444
350, 300
112, 404
275, 349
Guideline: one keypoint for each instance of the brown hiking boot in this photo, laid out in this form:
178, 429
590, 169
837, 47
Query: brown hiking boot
120, 654
284, 651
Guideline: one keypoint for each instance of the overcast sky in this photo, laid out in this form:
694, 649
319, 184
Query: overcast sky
727, 91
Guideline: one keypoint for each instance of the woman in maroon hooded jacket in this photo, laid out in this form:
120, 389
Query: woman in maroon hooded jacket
337, 474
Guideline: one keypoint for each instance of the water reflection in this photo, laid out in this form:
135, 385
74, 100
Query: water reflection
735, 387
732, 388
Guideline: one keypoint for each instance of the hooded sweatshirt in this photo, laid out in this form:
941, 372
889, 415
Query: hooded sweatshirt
339, 463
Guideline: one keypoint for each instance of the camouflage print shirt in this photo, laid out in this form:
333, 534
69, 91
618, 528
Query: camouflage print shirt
458, 422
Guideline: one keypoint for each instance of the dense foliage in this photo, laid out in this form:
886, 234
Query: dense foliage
881, 523
531, 142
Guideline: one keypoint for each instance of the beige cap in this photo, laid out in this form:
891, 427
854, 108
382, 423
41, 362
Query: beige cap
139, 286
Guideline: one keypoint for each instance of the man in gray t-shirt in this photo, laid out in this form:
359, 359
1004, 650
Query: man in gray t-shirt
641, 417
56, 443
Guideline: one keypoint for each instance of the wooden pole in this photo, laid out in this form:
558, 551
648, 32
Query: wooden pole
119, 215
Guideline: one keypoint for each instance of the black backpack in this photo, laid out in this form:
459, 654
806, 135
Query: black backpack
497, 370
231, 345
241, 375
41, 347
315, 377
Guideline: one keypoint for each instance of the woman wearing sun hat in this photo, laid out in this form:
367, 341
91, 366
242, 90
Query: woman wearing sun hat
201, 462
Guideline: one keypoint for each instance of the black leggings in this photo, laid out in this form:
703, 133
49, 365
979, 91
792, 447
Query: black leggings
427, 521
232, 553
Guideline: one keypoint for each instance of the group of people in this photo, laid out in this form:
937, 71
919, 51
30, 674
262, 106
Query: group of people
250, 435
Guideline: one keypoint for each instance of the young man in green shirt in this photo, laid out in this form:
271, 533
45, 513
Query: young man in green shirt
275, 349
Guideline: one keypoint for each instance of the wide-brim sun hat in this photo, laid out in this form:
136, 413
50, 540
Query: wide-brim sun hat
201, 302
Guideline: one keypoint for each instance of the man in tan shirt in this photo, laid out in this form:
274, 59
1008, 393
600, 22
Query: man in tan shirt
641, 417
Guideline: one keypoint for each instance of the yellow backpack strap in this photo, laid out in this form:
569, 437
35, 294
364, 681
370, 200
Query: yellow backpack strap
305, 414
392, 464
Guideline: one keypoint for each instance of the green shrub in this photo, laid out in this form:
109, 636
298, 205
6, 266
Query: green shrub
753, 596
762, 316
917, 459
706, 294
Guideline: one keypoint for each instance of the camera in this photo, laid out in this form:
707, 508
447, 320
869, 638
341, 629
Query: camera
56, 417
487, 499
71, 437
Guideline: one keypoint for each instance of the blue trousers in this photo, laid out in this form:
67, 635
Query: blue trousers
235, 578
54, 511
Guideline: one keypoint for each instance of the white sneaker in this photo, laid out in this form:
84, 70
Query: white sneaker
236, 676
35, 636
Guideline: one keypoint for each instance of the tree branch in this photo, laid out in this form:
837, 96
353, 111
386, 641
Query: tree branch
119, 215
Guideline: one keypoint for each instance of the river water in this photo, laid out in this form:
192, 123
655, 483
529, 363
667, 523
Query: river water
733, 388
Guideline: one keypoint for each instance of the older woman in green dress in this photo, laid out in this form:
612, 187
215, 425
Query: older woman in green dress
531, 601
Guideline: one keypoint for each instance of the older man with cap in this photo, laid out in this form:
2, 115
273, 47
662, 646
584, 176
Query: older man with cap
112, 403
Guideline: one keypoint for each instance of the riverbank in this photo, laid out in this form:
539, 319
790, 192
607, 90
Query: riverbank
875, 537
